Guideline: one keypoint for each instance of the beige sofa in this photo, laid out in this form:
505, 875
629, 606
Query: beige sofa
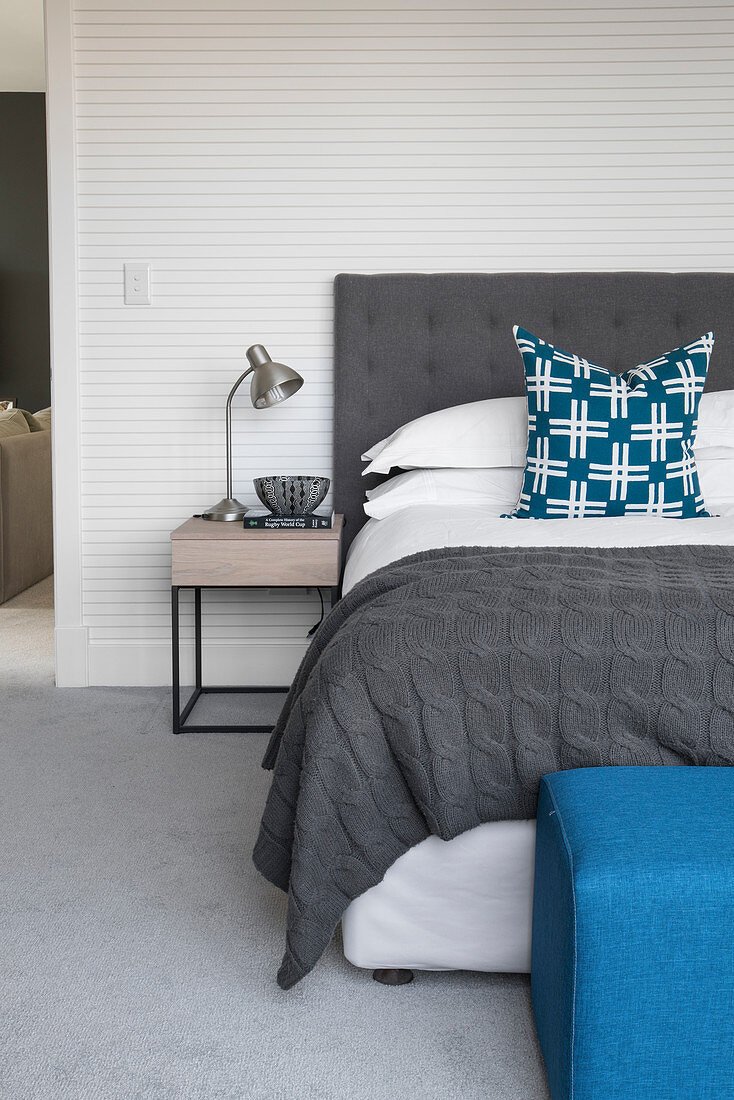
26, 542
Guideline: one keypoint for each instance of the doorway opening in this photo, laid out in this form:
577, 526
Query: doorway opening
26, 516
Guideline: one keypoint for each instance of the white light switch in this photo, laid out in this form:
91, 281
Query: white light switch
137, 284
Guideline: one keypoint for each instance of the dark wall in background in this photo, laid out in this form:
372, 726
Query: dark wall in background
24, 325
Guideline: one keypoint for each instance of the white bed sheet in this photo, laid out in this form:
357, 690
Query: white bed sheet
467, 904
428, 527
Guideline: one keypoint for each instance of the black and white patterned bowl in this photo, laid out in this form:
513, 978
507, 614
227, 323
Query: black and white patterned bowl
291, 494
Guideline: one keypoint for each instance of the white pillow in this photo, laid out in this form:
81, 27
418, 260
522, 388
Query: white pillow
715, 420
494, 433
495, 491
482, 434
716, 475
491, 491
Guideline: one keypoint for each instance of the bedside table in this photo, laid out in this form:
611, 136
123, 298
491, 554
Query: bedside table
225, 555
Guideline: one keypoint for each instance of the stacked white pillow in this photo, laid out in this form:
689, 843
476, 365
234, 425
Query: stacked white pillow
474, 454
493, 490
480, 435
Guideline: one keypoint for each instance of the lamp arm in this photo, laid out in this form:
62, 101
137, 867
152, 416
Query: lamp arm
228, 416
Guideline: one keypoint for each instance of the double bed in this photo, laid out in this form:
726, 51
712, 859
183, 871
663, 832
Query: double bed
467, 904
405, 346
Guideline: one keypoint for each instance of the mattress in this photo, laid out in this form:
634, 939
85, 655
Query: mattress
467, 903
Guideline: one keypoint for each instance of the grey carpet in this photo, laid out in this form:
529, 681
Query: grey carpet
38, 597
139, 945
27, 637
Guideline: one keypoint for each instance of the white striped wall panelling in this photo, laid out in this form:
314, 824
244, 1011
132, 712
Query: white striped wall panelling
250, 151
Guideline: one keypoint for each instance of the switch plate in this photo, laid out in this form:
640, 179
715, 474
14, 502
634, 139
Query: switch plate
137, 284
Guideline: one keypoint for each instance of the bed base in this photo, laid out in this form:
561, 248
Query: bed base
465, 904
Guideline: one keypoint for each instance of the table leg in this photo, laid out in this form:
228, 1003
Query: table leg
197, 634
175, 650
180, 716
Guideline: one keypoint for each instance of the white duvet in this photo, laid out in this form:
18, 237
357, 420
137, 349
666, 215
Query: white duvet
428, 527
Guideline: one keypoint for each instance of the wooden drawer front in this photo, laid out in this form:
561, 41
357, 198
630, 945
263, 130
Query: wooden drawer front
266, 562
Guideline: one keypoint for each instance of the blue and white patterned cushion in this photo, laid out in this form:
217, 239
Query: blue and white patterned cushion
601, 444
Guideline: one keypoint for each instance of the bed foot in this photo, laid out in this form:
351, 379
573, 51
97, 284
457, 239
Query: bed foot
393, 977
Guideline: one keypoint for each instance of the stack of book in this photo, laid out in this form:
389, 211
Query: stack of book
266, 521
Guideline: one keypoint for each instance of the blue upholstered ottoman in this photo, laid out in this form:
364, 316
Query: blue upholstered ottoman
633, 933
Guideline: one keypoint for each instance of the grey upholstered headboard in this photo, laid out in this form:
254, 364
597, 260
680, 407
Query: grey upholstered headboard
406, 345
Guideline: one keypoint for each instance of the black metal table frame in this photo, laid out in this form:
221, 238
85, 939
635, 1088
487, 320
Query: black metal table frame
179, 715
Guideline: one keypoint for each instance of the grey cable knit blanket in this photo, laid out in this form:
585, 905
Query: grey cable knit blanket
442, 688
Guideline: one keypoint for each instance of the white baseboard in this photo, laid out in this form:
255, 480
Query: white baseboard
149, 664
71, 647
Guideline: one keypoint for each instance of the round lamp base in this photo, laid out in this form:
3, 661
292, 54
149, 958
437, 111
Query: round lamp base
226, 511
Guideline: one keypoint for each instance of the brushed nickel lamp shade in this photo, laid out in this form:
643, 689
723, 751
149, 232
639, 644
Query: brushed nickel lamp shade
271, 383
